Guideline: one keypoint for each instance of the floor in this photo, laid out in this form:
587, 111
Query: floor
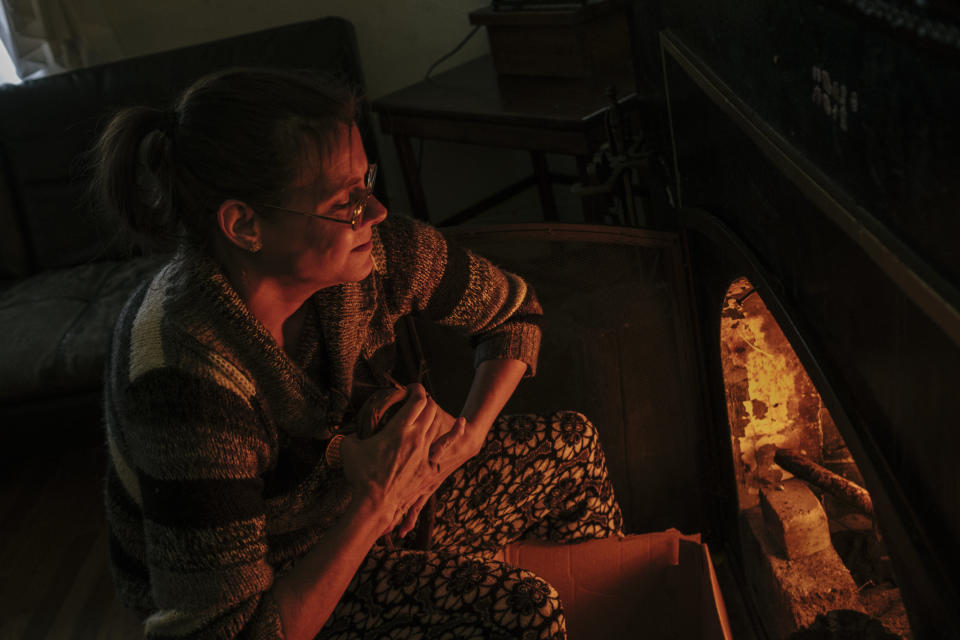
54, 578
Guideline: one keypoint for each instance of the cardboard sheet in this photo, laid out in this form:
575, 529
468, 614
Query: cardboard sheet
656, 585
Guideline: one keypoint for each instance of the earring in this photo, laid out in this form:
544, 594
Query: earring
255, 245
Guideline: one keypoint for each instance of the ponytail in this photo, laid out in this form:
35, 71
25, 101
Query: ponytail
134, 174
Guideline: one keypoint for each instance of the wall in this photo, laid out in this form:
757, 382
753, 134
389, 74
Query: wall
398, 42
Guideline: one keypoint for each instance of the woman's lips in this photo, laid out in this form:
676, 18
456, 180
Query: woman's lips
365, 246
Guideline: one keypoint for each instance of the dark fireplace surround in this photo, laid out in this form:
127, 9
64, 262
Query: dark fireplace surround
848, 234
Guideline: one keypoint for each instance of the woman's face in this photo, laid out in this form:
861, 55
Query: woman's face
304, 251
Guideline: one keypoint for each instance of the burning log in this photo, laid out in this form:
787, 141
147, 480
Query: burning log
808, 470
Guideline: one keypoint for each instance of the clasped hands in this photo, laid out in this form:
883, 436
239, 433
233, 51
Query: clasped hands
405, 461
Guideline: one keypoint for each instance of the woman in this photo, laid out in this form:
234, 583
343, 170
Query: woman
241, 501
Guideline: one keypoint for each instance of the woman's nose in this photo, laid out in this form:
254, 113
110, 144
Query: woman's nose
374, 212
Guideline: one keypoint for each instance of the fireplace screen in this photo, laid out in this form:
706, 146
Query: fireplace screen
810, 542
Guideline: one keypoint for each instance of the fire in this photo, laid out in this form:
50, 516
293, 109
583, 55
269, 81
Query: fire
771, 400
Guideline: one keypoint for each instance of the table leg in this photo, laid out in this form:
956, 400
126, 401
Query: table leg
592, 205
411, 177
544, 185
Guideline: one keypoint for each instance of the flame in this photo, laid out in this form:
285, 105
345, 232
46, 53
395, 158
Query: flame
771, 400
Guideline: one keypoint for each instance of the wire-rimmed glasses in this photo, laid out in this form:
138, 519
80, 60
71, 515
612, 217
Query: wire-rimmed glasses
358, 202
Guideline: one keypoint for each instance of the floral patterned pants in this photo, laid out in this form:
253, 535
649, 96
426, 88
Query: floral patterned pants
537, 476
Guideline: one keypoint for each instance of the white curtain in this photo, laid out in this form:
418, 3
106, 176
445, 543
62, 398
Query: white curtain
48, 36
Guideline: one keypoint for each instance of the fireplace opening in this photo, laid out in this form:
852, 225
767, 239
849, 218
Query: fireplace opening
812, 551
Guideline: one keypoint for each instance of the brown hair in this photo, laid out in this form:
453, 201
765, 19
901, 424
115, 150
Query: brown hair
240, 133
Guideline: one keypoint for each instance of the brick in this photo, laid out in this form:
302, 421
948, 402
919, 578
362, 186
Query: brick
795, 519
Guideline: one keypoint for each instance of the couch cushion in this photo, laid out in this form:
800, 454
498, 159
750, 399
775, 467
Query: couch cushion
57, 327
14, 262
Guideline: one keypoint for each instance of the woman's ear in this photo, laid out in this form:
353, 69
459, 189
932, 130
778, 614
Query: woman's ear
240, 225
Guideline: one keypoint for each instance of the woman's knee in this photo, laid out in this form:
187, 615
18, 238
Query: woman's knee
512, 601
574, 431
527, 603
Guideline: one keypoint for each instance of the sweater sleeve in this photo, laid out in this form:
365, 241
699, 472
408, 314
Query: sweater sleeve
196, 456
455, 287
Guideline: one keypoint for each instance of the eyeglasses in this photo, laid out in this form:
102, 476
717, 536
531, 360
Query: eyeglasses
358, 202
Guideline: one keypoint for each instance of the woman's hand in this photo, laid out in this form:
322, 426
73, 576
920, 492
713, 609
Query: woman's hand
453, 448
392, 468
448, 452
461, 439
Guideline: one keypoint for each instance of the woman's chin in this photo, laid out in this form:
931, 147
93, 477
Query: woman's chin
364, 267
358, 266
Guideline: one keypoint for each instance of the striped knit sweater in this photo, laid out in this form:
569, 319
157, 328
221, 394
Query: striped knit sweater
216, 480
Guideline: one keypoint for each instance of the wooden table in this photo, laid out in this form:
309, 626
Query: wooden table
469, 105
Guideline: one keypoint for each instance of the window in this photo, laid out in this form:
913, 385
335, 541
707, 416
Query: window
8, 73
8, 70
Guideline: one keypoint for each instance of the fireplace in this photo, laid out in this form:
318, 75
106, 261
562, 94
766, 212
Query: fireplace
809, 540
814, 152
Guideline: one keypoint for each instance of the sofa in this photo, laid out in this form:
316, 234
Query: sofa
65, 270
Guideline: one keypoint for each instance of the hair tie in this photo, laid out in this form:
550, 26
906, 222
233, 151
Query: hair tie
169, 123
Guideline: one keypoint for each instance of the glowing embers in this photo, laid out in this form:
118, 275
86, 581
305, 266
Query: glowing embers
809, 551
